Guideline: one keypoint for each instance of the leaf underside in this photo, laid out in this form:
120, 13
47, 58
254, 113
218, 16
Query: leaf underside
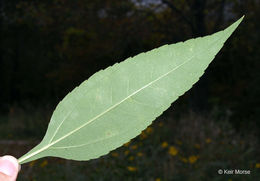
116, 104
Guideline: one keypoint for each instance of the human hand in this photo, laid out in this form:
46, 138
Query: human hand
9, 168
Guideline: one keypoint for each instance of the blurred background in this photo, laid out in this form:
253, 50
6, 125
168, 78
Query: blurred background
49, 47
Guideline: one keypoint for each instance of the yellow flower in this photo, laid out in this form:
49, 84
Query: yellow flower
230, 179
179, 142
114, 154
149, 130
208, 140
44, 163
131, 169
131, 158
193, 159
164, 144
134, 147
157, 179
173, 151
197, 146
32, 163
127, 144
126, 152
161, 124
185, 160
139, 154
143, 135
257, 165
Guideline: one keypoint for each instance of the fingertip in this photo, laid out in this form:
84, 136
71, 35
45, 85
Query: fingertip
9, 165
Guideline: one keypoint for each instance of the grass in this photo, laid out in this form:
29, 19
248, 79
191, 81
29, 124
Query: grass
188, 148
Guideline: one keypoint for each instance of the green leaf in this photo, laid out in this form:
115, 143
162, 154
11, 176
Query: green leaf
117, 103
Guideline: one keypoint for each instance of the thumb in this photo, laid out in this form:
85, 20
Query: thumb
9, 168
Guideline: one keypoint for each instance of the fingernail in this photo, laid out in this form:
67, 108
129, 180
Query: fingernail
9, 165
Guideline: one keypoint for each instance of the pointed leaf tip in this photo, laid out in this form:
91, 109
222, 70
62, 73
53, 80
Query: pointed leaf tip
235, 24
